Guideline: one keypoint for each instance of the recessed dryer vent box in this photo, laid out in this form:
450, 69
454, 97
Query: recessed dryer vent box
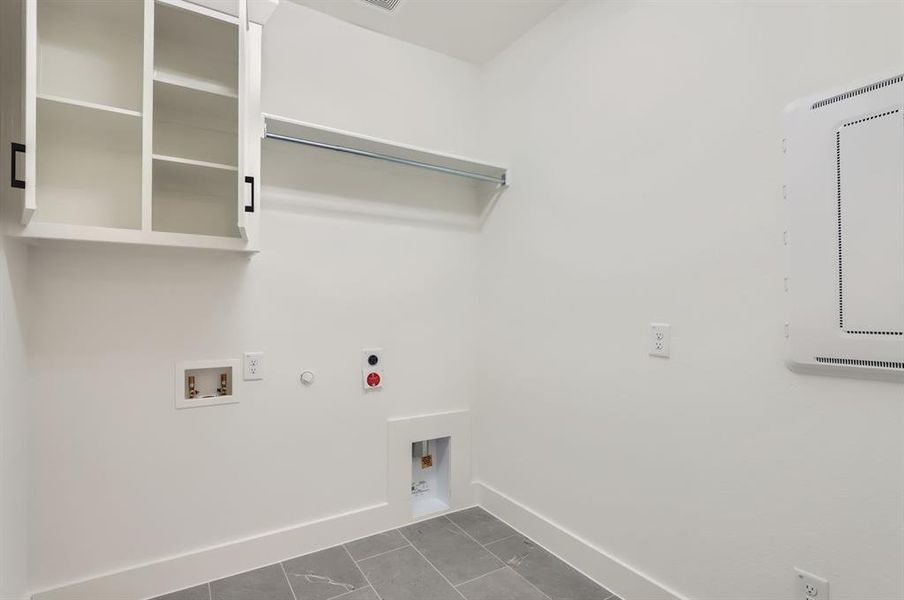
844, 189
206, 383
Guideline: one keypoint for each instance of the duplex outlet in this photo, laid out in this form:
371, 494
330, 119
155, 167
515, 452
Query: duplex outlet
660, 339
811, 587
253, 366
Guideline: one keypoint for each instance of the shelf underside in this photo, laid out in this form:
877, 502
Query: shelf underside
319, 134
37, 230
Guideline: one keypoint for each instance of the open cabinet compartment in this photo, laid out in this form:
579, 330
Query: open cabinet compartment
196, 122
91, 51
193, 198
430, 472
89, 167
195, 125
195, 50
87, 112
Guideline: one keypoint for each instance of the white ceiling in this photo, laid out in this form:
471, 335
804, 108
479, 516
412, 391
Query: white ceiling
472, 30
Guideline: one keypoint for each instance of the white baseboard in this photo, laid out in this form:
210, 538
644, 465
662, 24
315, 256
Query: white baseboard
186, 570
177, 572
173, 573
619, 577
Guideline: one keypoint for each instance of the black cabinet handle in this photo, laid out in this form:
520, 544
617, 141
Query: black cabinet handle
16, 183
250, 179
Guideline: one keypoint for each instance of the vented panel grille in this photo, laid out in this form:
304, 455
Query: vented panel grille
856, 92
856, 362
875, 332
384, 4
840, 208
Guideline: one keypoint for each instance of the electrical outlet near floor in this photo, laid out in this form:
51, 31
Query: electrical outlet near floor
811, 587
253, 366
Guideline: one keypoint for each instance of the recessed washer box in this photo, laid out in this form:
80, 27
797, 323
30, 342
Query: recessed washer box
844, 189
207, 383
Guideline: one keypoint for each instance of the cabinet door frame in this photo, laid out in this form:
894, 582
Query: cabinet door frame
30, 109
249, 123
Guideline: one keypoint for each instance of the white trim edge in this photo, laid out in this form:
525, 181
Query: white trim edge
152, 579
612, 573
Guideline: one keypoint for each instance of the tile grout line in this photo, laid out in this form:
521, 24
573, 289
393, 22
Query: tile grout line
286, 575
504, 522
492, 542
363, 574
484, 575
209, 592
432, 565
545, 595
357, 560
353, 591
517, 532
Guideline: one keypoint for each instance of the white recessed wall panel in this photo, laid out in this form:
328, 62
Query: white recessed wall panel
871, 214
844, 182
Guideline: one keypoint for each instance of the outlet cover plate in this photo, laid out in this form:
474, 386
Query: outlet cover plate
253, 366
660, 339
810, 586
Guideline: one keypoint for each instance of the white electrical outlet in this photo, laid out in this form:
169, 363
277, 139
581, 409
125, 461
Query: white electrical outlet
660, 339
811, 587
253, 366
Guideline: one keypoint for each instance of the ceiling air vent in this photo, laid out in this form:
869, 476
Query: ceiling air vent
384, 4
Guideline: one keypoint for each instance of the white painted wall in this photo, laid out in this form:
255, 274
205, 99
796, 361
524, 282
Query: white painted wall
644, 140
13, 422
644, 144
118, 476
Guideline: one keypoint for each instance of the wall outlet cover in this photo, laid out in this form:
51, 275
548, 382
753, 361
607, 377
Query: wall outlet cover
253, 366
811, 587
660, 339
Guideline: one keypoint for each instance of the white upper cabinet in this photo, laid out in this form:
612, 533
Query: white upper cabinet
141, 123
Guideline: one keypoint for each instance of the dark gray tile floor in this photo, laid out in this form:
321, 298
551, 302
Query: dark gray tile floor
467, 555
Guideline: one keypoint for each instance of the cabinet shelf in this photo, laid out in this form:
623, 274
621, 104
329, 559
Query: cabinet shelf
91, 105
195, 163
89, 233
193, 83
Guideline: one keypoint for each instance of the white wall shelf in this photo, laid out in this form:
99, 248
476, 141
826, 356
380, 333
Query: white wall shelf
290, 130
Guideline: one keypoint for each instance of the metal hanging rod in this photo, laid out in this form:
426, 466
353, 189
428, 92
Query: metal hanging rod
402, 161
